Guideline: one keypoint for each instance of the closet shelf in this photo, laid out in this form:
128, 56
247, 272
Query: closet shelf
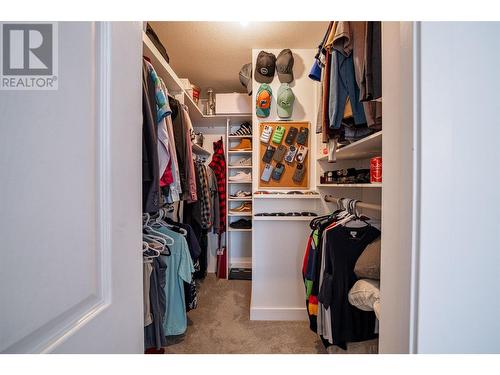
283, 218
175, 87
239, 182
239, 136
365, 148
240, 199
287, 196
240, 167
239, 152
374, 185
229, 229
240, 214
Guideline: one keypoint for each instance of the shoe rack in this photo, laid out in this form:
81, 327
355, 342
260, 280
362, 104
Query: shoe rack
238, 241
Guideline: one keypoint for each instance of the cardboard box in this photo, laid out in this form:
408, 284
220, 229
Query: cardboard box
233, 103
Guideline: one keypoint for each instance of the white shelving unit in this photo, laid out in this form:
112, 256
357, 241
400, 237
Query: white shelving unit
239, 167
287, 196
239, 241
283, 218
363, 149
373, 185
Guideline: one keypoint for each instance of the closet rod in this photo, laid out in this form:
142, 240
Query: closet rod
370, 206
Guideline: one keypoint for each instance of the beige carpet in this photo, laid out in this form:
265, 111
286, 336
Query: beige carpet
221, 325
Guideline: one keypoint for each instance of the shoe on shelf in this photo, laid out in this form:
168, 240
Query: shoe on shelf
244, 145
241, 194
243, 162
244, 129
241, 177
241, 224
244, 207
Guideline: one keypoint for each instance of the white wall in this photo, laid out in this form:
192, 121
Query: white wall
459, 129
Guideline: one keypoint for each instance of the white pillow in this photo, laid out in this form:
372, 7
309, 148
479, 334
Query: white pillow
365, 295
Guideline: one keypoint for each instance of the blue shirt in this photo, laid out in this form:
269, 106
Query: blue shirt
179, 269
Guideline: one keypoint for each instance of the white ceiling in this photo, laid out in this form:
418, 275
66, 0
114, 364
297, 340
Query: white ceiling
211, 54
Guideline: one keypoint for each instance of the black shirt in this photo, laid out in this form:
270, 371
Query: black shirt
343, 247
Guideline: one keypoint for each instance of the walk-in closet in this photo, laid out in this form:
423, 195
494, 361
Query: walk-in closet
286, 144
249, 187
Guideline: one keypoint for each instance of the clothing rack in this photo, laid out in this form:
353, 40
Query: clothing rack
359, 204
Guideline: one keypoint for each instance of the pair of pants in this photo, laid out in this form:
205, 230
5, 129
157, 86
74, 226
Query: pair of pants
343, 85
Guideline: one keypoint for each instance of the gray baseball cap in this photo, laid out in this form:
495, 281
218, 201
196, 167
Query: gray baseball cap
265, 67
246, 77
284, 66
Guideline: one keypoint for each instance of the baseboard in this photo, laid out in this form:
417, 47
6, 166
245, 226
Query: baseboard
278, 313
240, 262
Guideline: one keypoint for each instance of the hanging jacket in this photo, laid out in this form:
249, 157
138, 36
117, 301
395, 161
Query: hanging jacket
218, 165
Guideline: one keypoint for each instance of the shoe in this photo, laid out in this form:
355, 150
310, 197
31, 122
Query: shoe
243, 162
244, 129
241, 224
241, 177
245, 145
241, 194
244, 207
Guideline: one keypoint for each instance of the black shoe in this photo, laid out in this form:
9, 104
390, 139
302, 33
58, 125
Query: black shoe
241, 224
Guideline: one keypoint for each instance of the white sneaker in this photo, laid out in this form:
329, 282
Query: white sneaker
241, 194
241, 177
245, 162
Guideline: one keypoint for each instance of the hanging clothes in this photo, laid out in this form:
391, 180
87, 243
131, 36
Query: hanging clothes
218, 165
150, 164
214, 199
373, 109
180, 146
191, 175
328, 272
179, 269
204, 196
371, 87
154, 333
171, 178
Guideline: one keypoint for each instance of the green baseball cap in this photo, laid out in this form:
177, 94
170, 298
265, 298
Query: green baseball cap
285, 100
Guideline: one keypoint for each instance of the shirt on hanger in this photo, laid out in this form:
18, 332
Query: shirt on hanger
343, 247
179, 269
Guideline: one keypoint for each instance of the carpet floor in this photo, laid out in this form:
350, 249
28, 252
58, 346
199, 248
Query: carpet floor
221, 325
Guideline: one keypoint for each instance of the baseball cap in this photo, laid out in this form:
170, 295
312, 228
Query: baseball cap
285, 100
263, 102
265, 67
246, 77
284, 66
